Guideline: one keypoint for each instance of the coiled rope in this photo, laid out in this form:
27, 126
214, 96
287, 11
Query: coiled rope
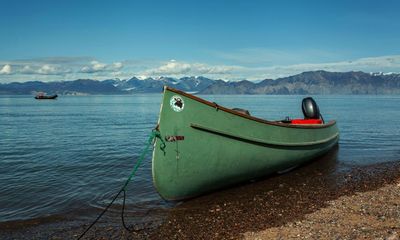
154, 134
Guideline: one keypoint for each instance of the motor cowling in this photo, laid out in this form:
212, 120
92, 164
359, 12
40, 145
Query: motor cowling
310, 108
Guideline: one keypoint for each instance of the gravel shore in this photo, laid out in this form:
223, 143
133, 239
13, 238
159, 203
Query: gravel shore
368, 215
319, 201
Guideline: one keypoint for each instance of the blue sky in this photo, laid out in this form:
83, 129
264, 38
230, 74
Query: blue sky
231, 40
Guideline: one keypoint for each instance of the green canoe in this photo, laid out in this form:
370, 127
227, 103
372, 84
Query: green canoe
209, 147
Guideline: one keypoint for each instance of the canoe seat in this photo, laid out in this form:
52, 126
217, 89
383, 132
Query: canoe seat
241, 110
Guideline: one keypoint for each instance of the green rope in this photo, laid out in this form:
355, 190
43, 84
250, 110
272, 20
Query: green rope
157, 134
154, 134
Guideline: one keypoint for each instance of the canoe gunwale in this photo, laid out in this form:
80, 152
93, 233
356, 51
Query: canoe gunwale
218, 107
260, 141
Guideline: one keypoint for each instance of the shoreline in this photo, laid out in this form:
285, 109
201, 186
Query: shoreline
307, 200
364, 215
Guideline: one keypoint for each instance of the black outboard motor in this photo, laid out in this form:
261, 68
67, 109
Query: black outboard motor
310, 109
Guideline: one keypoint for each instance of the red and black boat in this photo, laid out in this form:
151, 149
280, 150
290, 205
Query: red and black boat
41, 96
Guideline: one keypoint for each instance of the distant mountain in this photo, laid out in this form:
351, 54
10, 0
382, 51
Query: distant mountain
314, 82
80, 86
149, 85
110, 86
193, 84
222, 87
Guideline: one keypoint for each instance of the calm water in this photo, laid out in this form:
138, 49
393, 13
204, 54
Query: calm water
74, 153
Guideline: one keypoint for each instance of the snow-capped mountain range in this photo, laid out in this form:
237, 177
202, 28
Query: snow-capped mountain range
189, 84
313, 82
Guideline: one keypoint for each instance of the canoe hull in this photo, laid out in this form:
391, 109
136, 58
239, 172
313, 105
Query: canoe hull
210, 147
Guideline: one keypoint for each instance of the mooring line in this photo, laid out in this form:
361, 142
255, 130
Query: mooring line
154, 134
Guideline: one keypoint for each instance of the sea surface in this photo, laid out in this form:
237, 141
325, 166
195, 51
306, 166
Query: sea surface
73, 154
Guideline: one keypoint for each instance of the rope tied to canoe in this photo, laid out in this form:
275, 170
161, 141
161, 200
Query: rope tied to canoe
153, 136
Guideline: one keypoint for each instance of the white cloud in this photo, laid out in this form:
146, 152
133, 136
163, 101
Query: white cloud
96, 66
218, 69
61, 68
51, 69
117, 65
174, 67
27, 69
6, 69
233, 72
46, 69
370, 64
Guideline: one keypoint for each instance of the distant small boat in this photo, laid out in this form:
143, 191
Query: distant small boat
209, 147
41, 96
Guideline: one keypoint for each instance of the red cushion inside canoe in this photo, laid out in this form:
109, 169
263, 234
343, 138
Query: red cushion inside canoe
306, 121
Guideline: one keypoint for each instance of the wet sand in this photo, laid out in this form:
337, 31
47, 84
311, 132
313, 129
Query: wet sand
317, 201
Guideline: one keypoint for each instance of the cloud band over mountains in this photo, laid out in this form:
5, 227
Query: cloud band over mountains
68, 68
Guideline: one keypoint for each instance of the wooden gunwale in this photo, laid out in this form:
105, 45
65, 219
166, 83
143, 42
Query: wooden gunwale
218, 107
